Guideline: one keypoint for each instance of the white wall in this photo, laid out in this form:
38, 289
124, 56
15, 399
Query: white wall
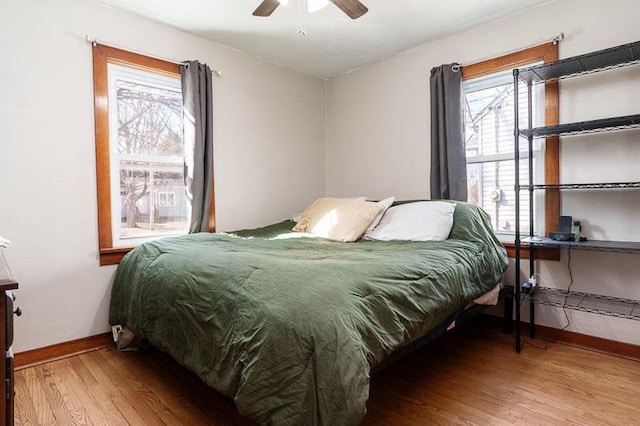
378, 138
269, 134
269, 145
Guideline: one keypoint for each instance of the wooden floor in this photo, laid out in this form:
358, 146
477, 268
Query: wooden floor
471, 376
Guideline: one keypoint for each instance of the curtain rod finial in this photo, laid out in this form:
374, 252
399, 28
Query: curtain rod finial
557, 39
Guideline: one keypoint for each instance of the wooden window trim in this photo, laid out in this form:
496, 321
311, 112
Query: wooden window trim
547, 52
103, 55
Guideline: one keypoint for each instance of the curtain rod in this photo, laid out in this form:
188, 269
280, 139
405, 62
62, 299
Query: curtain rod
95, 42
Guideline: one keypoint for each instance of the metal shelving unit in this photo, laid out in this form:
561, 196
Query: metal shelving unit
582, 127
588, 302
593, 245
600, 185
602, 60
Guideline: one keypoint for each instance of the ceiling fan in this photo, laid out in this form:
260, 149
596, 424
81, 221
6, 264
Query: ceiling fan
352, 8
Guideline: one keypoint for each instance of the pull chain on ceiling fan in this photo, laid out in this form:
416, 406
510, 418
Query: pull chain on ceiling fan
352, 8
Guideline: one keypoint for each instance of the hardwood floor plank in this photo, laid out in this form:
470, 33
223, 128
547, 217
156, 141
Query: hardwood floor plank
132, 416
167, 390
417, 401
111, 388
133, 400
497, 395
520, 388
169, 419
25, 411
130, 385
66, 410
99, 410
470, 376
31, 389
105, 397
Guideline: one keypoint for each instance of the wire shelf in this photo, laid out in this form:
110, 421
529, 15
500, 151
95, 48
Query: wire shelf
588, 302
593, 245
606, 59
600, 185
583, 127
601, 60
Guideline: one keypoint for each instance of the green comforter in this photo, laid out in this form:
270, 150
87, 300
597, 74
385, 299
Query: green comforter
290, 327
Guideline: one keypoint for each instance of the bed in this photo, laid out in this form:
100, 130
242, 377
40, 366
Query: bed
291, 328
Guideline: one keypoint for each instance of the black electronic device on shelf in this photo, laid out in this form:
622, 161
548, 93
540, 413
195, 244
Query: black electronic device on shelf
564, 233
562, 236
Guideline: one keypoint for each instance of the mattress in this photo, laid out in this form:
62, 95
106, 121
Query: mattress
290, 328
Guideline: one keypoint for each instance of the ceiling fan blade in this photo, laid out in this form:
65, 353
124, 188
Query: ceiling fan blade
353, 8
266, 8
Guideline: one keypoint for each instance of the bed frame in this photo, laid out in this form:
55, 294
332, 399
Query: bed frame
454, 320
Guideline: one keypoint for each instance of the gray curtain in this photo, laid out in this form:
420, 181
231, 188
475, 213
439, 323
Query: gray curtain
448, 162
198, 140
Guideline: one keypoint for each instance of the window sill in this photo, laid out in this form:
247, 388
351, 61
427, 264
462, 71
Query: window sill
113, 256
542, 253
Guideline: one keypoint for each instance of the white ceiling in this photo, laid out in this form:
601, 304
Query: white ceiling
334, 43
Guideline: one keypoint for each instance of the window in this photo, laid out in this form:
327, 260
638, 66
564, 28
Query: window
167, 199
489, 140
139, 151
488, 122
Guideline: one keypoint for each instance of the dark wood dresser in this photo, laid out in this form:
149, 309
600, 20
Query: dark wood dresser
6, 336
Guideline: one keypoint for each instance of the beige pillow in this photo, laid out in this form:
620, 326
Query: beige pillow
296, 217
340, 219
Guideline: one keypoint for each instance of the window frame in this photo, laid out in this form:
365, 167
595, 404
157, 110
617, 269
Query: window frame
547, 52
102, 56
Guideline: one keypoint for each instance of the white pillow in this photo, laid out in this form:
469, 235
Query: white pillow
386, 203
419, 221
340, 219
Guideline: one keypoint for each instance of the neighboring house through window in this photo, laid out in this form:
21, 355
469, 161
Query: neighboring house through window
139, 150
488, 106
